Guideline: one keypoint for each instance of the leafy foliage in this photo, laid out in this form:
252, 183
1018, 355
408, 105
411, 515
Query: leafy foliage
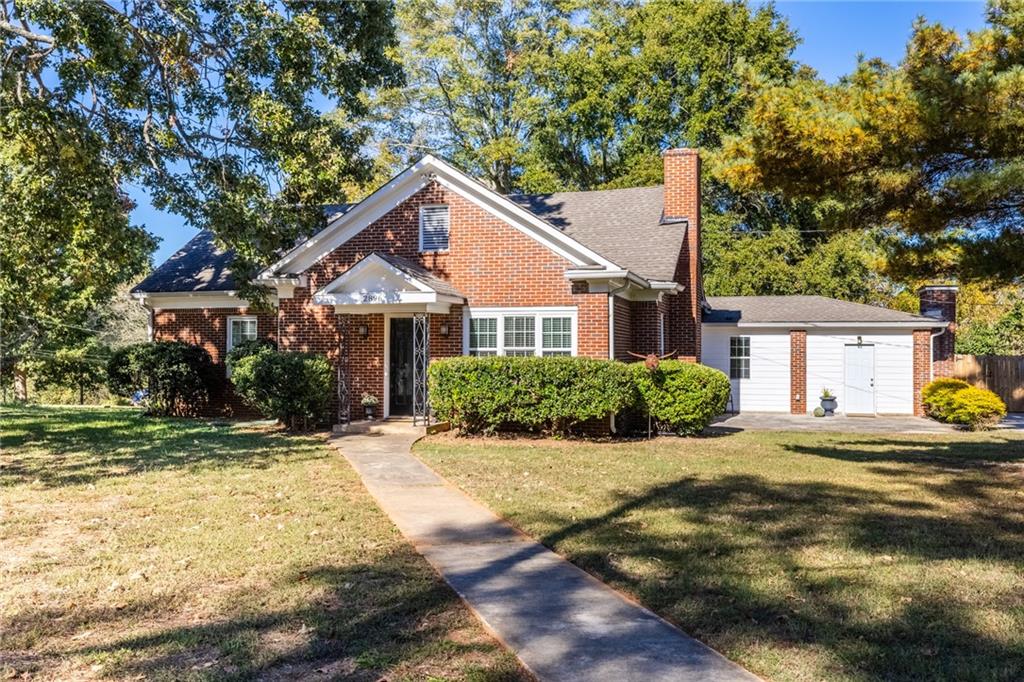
286, 386
176, 377
248, 347
81, 367
548, 395
207, 104
546, 95
932, 149
682, 396
1003, 336
957, 402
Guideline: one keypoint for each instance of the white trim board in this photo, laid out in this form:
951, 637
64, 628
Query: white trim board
197, 299
408, 182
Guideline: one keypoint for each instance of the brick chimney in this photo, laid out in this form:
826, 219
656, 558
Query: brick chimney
939, 302
682, 203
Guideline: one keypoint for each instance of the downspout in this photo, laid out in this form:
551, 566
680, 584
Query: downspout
611, 338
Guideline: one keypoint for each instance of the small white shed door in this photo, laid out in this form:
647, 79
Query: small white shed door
860, 380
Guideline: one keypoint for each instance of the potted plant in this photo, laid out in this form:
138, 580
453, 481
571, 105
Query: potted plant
829, 402
370, 402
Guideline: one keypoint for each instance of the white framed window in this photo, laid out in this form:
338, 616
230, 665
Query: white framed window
240, 329
520, 331
739, 357
434, 228
483, 336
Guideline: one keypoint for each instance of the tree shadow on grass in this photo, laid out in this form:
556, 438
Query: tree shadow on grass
366, 620
61, 447
745, 563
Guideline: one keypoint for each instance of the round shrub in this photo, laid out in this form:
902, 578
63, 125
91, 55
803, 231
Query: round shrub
175, 377
547, 395
247, 348
938, 394
681, 396
289, 387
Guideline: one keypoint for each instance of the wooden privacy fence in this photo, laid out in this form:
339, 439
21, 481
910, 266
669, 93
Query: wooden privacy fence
1001, 374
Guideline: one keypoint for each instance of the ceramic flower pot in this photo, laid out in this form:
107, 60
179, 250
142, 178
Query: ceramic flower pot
829, 405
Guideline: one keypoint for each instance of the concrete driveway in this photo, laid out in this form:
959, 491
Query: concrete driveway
763, 421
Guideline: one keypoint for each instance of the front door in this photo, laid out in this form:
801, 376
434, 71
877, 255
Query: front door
400, 367
860, 380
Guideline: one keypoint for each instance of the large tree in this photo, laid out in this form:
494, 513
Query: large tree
931, 150
545, 95
209, 104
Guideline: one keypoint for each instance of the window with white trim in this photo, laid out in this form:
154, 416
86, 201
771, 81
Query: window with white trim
521, 332
483, 336
240, 329
556, 336
434, 228
739, 357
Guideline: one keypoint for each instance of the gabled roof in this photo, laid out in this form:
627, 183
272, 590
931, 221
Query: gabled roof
623, 225
767, 310
384, 281
408, 182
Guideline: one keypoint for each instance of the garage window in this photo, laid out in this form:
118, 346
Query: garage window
739, 357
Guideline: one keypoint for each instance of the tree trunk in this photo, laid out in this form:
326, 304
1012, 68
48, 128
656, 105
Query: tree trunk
81, 394
20, 385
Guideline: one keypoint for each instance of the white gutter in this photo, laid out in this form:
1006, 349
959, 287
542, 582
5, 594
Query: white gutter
931, 352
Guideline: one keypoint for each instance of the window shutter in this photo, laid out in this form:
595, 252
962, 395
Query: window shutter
434, 228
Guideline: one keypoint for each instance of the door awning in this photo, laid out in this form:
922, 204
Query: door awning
387, 283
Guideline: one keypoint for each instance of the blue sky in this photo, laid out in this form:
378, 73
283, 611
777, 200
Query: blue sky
833, 34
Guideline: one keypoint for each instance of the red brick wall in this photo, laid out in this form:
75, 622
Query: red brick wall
207, 327
623, 322
645, 326
922, 366
682, 200
944, 346
797, 371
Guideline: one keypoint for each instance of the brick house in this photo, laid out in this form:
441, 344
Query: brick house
435, 264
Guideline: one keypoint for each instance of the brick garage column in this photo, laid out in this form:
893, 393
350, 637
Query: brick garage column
797, 371
922, 366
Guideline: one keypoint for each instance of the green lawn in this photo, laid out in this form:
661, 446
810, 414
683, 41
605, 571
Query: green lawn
801, 556
133, 547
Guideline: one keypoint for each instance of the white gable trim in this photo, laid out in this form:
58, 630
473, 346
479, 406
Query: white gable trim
418, 292
407, 183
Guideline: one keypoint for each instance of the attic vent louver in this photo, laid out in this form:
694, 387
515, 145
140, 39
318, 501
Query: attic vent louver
434, 228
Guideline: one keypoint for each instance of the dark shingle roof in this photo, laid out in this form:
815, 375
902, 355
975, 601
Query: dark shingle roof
802, 309
414, 269
623, 225
201, 266
198, 266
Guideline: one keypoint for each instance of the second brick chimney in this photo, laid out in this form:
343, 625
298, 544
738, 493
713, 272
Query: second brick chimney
939, 302
682, 202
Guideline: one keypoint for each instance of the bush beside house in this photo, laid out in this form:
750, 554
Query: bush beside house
176, 378
681, 396
546, 395
956, 402
561, 394
294, 388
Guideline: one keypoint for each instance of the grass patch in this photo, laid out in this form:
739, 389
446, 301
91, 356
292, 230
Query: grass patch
183, 549
803, 556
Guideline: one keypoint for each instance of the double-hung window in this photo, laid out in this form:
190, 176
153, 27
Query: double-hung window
739, 357
521, 331
240, 329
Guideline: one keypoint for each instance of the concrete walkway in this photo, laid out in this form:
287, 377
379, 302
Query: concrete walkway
561, 622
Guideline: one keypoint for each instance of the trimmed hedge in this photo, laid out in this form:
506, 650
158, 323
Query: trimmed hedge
957, 402
681, 396
289, 387
175, 377
546, 395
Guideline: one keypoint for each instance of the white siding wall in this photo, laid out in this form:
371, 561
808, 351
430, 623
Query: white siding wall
767, 389
894, 367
